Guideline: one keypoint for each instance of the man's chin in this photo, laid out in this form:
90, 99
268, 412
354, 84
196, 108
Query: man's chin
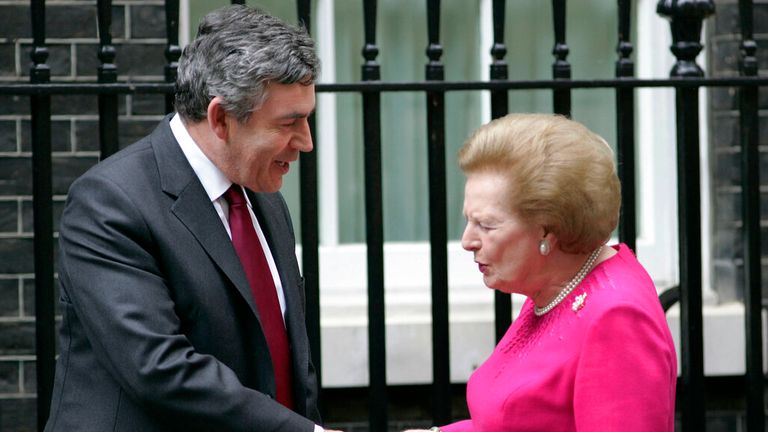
273, 187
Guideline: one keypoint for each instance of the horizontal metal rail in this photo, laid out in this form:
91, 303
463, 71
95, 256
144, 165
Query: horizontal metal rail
14, 88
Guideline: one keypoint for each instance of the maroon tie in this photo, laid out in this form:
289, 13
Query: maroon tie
254, 262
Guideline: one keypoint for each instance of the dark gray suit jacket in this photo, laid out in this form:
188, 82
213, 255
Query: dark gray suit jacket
160, 331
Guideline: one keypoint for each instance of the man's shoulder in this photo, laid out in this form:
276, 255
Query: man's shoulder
131, 163
125, 165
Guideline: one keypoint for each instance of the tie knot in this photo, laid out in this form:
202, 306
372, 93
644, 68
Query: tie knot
234, 195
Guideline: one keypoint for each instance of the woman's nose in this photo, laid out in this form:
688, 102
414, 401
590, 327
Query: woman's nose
468, 240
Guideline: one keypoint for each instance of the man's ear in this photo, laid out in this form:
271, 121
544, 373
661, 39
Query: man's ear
217, 118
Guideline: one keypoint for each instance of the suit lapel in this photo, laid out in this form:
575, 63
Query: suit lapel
195, 210
276, 232
270, 212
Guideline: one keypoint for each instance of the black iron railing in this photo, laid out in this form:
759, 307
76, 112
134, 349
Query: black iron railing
750, 216
42, 205
686, 78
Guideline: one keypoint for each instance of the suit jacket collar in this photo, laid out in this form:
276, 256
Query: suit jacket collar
194, 209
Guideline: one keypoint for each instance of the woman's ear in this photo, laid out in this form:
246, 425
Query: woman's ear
218, 120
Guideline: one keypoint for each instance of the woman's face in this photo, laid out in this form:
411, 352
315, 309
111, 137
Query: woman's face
505, 246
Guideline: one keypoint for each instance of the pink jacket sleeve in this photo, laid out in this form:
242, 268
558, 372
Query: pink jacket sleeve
626, 374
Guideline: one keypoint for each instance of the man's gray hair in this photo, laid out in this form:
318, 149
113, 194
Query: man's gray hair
237, 52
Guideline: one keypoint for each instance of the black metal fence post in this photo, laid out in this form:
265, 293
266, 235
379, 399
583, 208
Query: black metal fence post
689, 219
42, 194
750, 216
438, 223
107, 73
625, 129
374, 227
172, 50
561, 69
686, 22
310, 240
499, 108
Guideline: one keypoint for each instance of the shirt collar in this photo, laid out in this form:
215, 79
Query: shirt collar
214, 181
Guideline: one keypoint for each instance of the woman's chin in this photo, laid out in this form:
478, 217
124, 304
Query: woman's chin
498, 286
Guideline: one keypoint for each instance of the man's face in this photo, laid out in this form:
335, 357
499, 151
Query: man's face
257, 153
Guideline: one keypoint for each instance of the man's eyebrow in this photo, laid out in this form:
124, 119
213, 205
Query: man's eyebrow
296, 115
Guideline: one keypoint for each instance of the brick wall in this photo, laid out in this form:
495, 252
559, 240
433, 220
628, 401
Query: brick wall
138, 29
724, 57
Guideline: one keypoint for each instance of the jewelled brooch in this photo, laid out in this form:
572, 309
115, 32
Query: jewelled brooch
579, 302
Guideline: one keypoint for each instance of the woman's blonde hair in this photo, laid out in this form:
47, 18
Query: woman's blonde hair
562, 176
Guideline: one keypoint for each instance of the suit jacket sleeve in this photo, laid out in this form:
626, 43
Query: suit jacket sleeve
116, 287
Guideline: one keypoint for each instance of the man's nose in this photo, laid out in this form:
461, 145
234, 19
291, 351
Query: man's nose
303, 139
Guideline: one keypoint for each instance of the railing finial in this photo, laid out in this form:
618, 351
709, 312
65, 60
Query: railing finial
686, 18
107, 53
371, 70
625, 67
304, 12
40, 72
498, 50
748, 62
434, 50
561, 68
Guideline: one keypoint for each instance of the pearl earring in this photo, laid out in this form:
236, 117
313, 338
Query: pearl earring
544, 247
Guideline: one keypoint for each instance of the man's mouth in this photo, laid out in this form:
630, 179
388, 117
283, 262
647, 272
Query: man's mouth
283, 166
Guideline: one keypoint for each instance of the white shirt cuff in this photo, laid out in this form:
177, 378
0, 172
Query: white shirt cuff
319, 429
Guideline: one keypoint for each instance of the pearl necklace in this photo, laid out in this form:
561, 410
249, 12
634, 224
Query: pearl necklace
571, 285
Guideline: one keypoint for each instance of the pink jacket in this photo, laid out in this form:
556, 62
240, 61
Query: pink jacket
609, 365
